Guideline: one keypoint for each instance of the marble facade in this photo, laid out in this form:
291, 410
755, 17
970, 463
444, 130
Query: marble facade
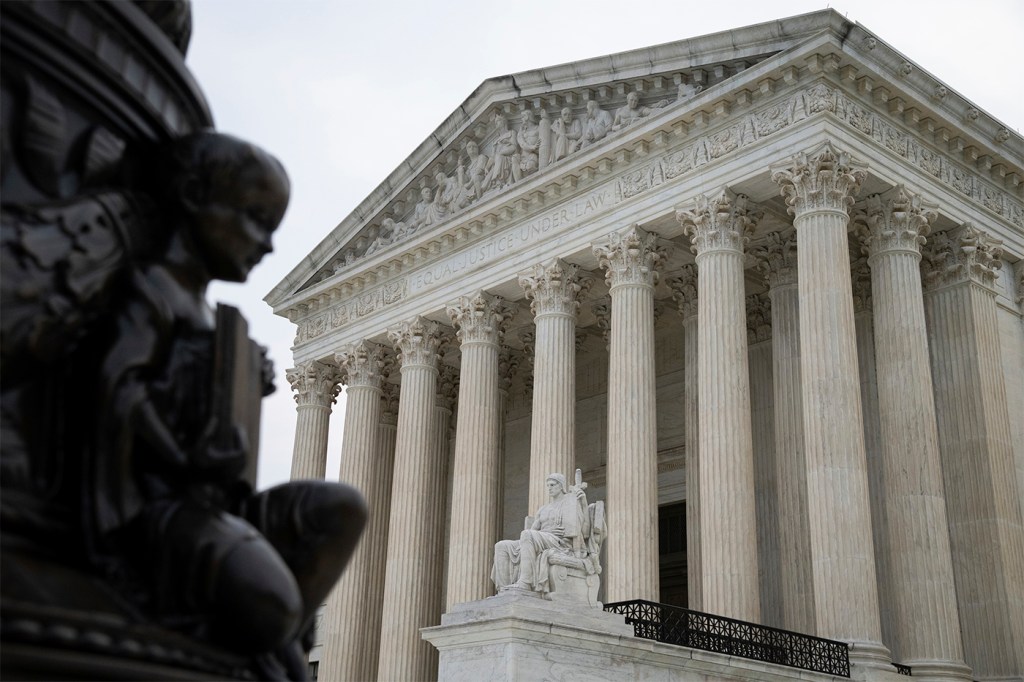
781, 283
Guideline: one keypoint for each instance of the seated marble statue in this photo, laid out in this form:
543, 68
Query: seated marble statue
557, 557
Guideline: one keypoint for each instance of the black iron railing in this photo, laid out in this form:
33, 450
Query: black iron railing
903, 669
676, 625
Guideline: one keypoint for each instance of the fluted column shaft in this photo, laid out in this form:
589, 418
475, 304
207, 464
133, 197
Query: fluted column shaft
779, 264
718, 229
986, 534
553, 290
316, 385
819, 190
630, 260
403, 655
925, 626
346, 657
684, 292
378, 496
762, 423
479, 321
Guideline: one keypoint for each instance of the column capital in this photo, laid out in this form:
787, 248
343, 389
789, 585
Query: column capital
602, 309
759, 318
722, 223
776, 258
861, 283
684, 290
481, 318
896, 221
315, 383
447, 388
631, 256
508, 364
418, 341
363, 364
389, 401
963, 254
554, 288
822, 180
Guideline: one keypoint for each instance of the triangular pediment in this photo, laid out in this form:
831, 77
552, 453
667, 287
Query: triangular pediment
513, 131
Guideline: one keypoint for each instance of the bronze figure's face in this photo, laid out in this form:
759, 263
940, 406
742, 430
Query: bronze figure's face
233, 226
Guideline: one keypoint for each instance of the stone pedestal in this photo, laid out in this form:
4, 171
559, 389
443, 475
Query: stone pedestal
518, 637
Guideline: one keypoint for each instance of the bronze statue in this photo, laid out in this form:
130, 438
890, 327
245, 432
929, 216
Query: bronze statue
128, 509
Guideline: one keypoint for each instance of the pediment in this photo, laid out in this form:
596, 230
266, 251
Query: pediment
513, 132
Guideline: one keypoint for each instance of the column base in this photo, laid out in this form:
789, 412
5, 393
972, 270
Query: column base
939, 670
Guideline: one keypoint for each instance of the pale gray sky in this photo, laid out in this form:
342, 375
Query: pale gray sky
342, 92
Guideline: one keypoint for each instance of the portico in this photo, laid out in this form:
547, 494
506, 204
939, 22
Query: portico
616, 274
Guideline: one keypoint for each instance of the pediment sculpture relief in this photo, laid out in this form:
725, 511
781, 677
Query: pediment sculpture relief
540, 139
557, 556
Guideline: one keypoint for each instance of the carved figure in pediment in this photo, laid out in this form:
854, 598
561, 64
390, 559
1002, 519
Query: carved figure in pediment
422, 214
544, 129
390, 233
505, 163
475, 172
688, 90
632, 112
597, 125
566, 135
449, 196
528, 138
558, 555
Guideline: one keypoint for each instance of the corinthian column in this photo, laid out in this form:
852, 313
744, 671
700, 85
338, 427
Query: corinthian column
480, 323
926, 628
985, 528
684, 293
777, 260
554, 290
378, 496
819, 188
316, 385
346, 657
407, 595
718, 229
630, 260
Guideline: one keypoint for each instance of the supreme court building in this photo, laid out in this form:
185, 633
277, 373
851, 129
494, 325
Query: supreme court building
764, 287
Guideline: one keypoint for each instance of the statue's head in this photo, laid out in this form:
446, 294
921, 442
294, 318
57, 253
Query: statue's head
232, 196
556, 484
632, 99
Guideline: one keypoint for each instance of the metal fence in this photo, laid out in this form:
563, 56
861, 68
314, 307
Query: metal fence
676, 625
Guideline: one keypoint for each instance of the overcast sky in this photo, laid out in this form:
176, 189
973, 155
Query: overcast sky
342, 92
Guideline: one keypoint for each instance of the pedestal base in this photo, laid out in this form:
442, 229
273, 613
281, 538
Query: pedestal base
516, 636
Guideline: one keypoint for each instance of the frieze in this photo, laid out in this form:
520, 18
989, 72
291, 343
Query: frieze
698, 151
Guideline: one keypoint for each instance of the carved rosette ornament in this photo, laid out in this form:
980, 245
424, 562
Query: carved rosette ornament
897, 221
720, 224
684, 290
824, 180
963, 254
759, 318
481, 318
630, 257
555, 288
776, 258
315, 383
417, 341
362, 363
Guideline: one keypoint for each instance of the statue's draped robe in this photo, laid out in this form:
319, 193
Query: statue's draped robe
553, 531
